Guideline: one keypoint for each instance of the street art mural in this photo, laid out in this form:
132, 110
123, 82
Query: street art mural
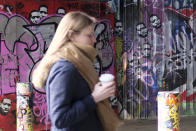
149, 45
26, 30
159, 39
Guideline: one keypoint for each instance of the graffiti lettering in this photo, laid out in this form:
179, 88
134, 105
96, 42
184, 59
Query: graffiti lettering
180, 4
103, 43
40, 108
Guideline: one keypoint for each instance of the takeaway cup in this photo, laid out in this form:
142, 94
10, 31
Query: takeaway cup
105, 78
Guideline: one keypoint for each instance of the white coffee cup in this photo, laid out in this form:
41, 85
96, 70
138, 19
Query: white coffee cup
105, 78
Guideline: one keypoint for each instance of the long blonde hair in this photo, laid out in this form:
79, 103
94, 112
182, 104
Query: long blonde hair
72, 21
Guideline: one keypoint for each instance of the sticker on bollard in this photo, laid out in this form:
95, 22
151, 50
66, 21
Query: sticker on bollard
24, 107
168, 110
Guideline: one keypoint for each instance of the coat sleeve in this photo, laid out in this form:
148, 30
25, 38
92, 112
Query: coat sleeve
63, 111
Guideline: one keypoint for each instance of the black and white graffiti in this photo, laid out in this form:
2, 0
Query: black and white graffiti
155, 21
43, 10
142, 30
61, 11
35, 16
5, 106
103, 44
118, 28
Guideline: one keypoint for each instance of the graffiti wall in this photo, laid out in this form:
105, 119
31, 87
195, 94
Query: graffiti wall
159, 44
149, 45
26, 30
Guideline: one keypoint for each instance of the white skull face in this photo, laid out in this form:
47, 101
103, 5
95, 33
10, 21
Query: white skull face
118, 28
155, 21
5, 106
61, 11
43, 11
147, 50
35, 17
141, 30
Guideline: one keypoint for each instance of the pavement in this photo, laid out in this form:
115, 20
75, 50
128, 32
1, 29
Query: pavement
187, 123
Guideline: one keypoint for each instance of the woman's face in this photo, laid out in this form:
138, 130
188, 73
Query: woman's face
85, 36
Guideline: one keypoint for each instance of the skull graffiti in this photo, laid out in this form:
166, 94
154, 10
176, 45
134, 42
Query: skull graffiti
155, 21
141, 30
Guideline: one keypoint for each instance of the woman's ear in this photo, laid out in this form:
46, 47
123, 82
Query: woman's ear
70, 35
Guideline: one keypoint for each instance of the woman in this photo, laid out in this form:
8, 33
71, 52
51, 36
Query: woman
76, 100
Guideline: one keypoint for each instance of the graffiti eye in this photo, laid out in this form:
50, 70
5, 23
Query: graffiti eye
43, 12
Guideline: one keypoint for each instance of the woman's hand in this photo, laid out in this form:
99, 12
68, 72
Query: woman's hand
103, 91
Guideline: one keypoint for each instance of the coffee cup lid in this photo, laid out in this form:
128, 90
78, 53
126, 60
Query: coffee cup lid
106, 77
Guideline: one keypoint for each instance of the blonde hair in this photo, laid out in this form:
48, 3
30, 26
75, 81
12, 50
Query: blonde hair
72, 21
